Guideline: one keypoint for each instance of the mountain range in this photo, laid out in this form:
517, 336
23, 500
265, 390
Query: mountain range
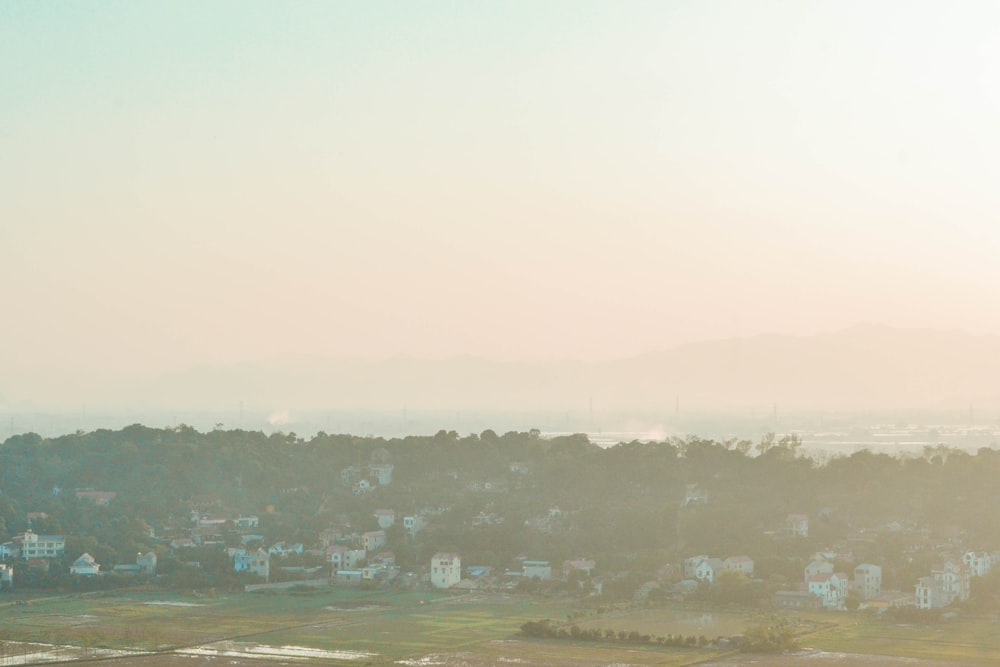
865, 367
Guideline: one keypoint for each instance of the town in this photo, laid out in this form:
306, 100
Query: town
649, 523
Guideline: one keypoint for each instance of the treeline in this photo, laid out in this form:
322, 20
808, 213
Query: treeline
545, 629
773, 635
623, 506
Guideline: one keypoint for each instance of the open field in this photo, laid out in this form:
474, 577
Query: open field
349, 626
966, 641
335, 626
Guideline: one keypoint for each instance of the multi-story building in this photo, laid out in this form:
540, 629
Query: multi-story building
868, 581
345, 558
446, 570
414, 524
831, 589
255, 562
979, 564
947, 583
797, 525
30, 546
374, 540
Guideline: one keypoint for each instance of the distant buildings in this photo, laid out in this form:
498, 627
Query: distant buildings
703, 568
537, 569
255, 562
100, 498
30, 546
374, 540
386, 518
868, 581
446, 570
831, 589
741, 564
948, 583
85, 565
414, 524
797, 525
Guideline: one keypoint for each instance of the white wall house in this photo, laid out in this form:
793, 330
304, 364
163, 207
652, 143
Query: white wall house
345, 558
28, 545
742, 564
85, 565
537, 569
815, 567
979, 564
868, 581
414, 524
446, 570
830, 588
255, 562
797, 525
385, 518
948, 583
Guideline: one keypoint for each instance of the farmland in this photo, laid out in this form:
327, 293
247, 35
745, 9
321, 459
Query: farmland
348, 626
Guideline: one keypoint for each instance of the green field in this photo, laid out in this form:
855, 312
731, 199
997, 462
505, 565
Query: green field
968, 640
468, 629
390, 625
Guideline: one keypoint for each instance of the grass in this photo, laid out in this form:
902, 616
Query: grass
479, 629
965, 640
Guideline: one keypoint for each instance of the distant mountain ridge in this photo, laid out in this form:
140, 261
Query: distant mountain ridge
863, 367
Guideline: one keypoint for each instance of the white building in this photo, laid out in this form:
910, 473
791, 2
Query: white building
85, 565
817, 566
255, 562
414, 524
702, 568
947, 583
537, 569
979, 564
868, 581
385, 518
708, 570
146, 562
830, 588
345, 558
446, 570
742, 564
28, 545
797, 525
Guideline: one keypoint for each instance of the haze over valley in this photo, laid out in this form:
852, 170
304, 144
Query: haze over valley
557, 333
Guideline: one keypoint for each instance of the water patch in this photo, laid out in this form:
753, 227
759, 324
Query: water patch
20, 653
245, 650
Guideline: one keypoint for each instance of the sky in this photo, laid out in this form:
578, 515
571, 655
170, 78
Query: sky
191, 183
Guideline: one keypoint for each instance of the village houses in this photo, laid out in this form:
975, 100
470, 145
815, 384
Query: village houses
831, 588
446, 570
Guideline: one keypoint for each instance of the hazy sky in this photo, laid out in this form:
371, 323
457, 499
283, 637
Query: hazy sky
196, 182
